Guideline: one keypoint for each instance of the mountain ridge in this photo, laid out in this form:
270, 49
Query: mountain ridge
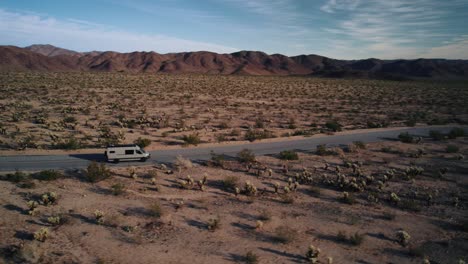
54, 59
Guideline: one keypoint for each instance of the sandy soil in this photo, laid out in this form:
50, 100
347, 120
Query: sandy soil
49, 111
432, 210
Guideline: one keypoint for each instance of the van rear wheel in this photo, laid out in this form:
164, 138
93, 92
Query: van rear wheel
116, 161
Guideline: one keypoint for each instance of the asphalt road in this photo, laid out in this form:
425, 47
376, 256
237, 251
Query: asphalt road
76, 161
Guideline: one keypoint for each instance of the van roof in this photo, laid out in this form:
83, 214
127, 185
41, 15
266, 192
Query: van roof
122, 146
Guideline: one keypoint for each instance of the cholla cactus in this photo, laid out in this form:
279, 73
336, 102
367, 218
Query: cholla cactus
276, 186
42, 234
250, 189
426, 261
33, 208
54, 220
259, 224
237, 191
99, 215
313, 254
403, 238
270, 172
132, 172
394, 198
329, 260
153, 181
49, 198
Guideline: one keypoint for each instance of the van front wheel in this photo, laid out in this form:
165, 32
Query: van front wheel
143, 159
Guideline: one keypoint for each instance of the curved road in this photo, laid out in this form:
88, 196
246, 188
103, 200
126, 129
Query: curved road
76, 161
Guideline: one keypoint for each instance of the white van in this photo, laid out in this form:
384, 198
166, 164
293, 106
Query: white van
117, 153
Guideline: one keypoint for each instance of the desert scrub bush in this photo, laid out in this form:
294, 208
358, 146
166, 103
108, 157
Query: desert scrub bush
403, 238
257, 134
57, 220
251, 258
99, 217
42, 234
142, 142
321, 150
49, 198
69, 143
312, 254
214, 223
97, 172
333, 125
16, 177
436, 135
118, 188
288, 155
355, 239
69, 119
359, 144
246, 156
182, 163
230, 183
192, 139
405, 137
155, 210
285, 234
452, 149
48, 175
456, 132
409, 205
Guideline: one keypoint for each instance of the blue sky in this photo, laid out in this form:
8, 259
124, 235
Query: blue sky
343, 29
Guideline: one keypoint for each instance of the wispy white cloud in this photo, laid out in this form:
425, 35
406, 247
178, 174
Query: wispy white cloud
390, 29
26, 28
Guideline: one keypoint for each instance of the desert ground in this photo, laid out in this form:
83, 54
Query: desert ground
386, 202
68, 111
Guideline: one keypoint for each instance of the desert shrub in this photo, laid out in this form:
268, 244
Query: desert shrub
359, 144
57, 220
48, 175
405, 137
214, 223
69, 119
97, 172
388, 216
452, 149
42, 234
17, 177
456, 132
287, 198
246, 156
142, 142
155, 210
355, 239
118, 188
252, 135
285, 234
333, 125
230, 183
251, 258
321, 150
436, 135
182, 163
410, 122
259, 123
192, 139
223, 125
217, 159
288, 155
69, 143
314, 191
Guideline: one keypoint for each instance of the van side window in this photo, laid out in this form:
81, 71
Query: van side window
129, 152
139, 152
112, 151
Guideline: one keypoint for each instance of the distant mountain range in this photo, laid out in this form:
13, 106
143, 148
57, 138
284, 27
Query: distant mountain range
54, 59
